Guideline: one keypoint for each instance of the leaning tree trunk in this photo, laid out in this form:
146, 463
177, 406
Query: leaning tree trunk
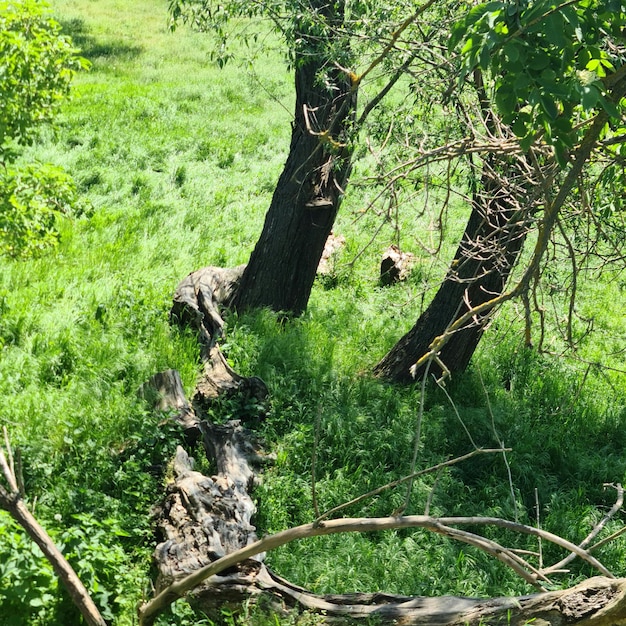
488, 251
282, 267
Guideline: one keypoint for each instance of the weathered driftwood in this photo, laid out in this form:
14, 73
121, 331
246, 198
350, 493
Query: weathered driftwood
205, 520
197, 302
395, 265
198, 298
164, 393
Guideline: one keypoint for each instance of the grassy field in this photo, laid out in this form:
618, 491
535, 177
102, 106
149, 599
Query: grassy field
178, 161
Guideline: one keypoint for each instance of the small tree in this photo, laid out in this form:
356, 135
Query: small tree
555, 74
37, 64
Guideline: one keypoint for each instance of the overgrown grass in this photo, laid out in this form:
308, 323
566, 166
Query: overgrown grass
178, 161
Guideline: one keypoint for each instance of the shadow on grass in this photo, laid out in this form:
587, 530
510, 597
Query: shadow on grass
91, 48
566, 437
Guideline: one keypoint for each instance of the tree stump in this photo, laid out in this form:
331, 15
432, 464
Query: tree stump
395, 265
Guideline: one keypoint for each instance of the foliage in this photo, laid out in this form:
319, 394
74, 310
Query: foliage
548, 62
30, 592
83, 328
37, 64
32, 198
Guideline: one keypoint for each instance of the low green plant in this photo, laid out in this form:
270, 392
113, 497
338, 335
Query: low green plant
32, 200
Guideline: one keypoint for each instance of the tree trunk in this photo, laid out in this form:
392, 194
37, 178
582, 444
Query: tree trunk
282, 267
489, 249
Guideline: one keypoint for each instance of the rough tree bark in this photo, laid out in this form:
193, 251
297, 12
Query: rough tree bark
488, 251
282, 267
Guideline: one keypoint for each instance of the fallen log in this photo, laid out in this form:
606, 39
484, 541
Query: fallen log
209, 552
211, 556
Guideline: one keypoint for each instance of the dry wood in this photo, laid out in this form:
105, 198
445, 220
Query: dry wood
11, 501
210, 554
333, 246
164, 392
395, 265
197, 302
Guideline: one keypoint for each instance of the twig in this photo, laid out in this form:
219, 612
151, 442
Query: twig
456, 412
316, 436
508, 557
418, 436
501, 443
538, 526
594, 533
395, 483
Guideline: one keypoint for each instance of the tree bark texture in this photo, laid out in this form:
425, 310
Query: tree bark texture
488, 251
282, 267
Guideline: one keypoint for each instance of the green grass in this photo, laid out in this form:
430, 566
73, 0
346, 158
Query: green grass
178, 161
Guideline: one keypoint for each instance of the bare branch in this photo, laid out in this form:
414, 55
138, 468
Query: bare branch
395, 483
149, 611
593, 534
12, 502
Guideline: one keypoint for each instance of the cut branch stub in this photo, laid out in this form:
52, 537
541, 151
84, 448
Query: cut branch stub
164, 392
395, 265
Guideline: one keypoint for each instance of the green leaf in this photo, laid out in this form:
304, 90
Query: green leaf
610, 107
589, 97
512, 51
539, 61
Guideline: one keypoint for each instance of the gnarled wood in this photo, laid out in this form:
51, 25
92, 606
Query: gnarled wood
197, 302
198, 298
210, 554
203, 518
164, 392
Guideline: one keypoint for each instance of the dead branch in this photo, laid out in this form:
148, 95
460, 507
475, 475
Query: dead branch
11, 501
592, 535
404, 479
149, 611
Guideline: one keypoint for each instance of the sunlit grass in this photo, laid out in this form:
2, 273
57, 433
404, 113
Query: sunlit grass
178, 161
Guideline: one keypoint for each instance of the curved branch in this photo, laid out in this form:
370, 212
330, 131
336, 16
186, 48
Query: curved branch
149, 611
